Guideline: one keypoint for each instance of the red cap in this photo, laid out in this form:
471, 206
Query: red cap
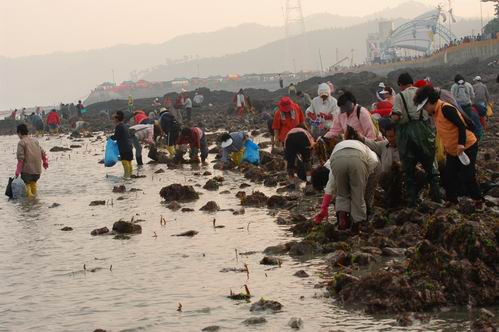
285, 104
422, 83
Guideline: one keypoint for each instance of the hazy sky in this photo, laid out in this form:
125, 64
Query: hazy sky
44, 26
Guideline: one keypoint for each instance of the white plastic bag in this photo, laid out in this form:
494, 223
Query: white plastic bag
18, 188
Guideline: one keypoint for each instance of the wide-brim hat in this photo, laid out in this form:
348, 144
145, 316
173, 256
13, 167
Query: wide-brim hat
285, 104
227, 143
422, 104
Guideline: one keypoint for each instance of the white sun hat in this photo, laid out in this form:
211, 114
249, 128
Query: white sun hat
227, 143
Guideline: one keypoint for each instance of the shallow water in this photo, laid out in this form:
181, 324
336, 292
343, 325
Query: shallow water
43, 286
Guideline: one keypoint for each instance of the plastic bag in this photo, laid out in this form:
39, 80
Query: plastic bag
18, 188
251, 153
112, 153
8, 190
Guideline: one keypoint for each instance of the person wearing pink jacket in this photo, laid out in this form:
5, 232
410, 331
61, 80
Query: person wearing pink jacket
352, 115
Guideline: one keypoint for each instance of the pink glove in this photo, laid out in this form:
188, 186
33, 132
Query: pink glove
19, 168
324, 213
45, 161
312, 116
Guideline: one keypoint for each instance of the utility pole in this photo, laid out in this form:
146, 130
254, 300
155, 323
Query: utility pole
481, 16
294, 25
322, 66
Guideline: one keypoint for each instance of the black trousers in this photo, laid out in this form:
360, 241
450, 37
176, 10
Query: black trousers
460, 180
297, 144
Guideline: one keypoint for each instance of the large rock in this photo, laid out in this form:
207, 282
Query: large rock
99, 231
125, 227
179, 193
211, 206
255, 321
264, 305
211, 185
256, 199
267, 260
304, 248
277, 201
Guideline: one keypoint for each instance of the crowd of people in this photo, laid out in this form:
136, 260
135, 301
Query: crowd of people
422, 136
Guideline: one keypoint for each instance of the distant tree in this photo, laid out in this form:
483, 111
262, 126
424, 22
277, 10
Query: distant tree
496, 6
493, 26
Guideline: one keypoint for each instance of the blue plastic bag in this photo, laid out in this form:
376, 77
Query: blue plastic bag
251, 153
112, 153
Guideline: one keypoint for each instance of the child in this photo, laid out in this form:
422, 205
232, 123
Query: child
122, 137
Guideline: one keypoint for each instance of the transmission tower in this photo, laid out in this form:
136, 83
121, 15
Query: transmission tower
294, 22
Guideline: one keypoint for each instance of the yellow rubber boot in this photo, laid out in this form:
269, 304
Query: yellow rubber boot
171, 150
31, 189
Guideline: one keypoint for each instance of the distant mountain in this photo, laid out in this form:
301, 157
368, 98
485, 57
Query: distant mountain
406, 10
50, 79
273, 56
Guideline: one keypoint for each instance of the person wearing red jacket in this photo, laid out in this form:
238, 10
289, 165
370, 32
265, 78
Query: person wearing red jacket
53, 121
288, 116
139, 116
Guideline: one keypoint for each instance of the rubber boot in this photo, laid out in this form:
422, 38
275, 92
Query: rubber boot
171, 150
343, 220
435, 191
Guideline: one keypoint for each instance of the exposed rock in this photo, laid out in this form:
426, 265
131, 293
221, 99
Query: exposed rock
207, 173
295, 323
174, 206
225, 192
340, 280
279, 249
239, 212
133, 190
59, 149
211, 206
339, 258
211, 185
244, 185
362, 258
264, 305
99, 231
304, 248
188, 233
301, 274
392, 252
404, 320
494, 192
277, 201
125, 227
255, 321
219, 179
187, 210
256, 199
179, 193
267, 260
96, 203
213, 328
119, 189
160, 171
270, 182
375, 251
66, 229
54, 205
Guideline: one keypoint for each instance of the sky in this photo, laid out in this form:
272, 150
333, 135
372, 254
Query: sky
29, 27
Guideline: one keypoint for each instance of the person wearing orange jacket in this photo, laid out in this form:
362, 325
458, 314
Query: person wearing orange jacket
288, 116
53, 121
459, 142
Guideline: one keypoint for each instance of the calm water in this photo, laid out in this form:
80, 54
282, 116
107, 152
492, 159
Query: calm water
43, 286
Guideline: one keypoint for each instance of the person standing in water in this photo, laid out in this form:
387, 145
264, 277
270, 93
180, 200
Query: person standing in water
30, 159
123, 138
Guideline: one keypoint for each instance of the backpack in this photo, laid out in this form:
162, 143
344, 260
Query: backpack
462, 94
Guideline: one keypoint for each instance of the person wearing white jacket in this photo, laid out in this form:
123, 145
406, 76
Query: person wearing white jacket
322, 111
